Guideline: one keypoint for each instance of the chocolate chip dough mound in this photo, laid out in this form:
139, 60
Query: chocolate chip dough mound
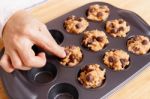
98, 12
73, 56
91, 76
117, 28
75, 25
139, 44
116, 59
95, 40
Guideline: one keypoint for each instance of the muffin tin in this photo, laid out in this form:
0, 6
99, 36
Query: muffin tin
55, 81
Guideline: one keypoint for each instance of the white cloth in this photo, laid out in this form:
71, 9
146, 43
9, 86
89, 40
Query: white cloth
9, 7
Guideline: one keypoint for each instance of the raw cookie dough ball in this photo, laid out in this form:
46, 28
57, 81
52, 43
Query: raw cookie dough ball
75, 24
116, 59
139, 44
117, 28
91, 76
95, 40
98, 12
73, 56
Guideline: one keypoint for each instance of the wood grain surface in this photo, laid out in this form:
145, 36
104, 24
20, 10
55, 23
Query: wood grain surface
139, 87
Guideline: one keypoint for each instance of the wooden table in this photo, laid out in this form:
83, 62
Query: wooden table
139, 87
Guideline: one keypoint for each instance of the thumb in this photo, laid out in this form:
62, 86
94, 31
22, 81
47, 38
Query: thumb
47, 42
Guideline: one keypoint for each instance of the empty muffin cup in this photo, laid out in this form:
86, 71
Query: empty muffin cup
63, 91
42, 75
57, 35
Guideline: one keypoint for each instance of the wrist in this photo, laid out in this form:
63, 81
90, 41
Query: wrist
15, 21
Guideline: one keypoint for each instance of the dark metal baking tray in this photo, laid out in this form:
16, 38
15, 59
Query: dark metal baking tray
55, 81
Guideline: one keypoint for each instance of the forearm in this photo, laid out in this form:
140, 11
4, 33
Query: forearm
9, 7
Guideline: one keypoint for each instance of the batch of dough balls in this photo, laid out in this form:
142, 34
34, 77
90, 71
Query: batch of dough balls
116, 59
117, 28
73, 56
91, 76
95, 40
98, 12
75, 25
139, 44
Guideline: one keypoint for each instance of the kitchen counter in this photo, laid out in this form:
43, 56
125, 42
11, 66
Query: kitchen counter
139, 87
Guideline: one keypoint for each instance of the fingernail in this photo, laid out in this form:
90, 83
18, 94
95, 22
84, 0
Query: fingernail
10, 70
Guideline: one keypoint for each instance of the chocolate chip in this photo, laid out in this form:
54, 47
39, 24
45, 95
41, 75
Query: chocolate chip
72, 58
136, 49
94, 37
86, 67
89, 70
70, 17
112, 59
100, 39
123, 62
120, 21
107, 11
89, 78
90, 41
91, 10
112, 25
84, 37
78, 26
144, 42
99, 14
120, 29
79, 19
130, 41
113, 30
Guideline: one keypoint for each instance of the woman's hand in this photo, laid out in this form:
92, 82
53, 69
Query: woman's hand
21, 32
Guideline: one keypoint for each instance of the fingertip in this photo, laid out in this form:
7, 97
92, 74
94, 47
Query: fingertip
5, 64
42, 55
62, 52
10, 70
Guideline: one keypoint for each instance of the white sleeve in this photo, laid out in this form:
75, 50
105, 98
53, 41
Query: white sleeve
9, 7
